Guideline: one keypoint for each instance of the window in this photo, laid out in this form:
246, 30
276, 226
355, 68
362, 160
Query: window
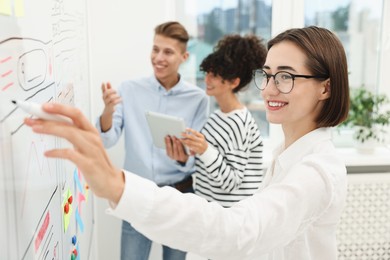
217, 18
358, 25
361, 25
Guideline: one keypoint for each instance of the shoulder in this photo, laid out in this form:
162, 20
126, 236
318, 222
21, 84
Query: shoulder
136, 83
326, 165
243, 117
192, 88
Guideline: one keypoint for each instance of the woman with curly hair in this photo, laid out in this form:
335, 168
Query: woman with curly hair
228, 150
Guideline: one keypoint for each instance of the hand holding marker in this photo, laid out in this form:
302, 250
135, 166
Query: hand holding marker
36, 110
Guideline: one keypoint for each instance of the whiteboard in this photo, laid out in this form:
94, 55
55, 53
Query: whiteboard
46, 207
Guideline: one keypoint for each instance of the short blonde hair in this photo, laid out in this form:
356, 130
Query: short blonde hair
173, 30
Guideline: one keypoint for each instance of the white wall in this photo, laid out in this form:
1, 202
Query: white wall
120, 34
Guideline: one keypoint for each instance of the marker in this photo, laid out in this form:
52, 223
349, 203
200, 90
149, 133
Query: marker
36, 110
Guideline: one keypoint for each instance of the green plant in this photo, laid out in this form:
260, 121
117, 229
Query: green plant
367, 114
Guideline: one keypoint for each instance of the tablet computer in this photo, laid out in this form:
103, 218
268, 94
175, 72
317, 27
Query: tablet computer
161, 125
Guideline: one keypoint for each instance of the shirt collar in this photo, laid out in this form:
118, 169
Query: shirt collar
303, 146
156, 85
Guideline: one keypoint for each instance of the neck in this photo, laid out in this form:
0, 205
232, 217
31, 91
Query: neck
170, 82
228, 103
293, 133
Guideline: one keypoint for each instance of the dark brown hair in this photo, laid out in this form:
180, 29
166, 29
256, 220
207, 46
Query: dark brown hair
325, 56
236, 56
173, 30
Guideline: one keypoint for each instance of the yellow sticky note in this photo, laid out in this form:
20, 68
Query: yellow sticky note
5, 7
67, 209
19, 8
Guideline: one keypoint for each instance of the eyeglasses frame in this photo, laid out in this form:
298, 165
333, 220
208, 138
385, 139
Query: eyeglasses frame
293, 76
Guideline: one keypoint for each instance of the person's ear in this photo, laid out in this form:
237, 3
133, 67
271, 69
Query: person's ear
325, 90
235, 82
185, 56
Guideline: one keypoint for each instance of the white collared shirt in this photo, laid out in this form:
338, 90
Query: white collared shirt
294, 216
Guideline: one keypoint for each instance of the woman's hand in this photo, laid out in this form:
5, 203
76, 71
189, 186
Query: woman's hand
195, 141
87, 153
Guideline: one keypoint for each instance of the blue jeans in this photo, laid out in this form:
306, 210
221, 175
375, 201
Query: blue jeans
135, 246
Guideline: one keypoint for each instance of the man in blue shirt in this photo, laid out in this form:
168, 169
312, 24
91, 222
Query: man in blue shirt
164, 92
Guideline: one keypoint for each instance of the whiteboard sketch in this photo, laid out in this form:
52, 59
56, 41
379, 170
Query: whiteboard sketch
47, 210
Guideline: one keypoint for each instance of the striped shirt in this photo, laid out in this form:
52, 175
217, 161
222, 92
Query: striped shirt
231, 168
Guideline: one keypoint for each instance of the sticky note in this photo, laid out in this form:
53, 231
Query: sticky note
66, 216
5, 7
19, 8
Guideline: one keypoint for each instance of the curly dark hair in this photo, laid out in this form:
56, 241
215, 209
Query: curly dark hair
236, 56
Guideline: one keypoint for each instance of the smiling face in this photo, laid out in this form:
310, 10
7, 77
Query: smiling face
299, 108
167, 55
216, 86
223, 91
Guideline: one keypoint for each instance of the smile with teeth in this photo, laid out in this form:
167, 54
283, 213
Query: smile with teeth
276, 104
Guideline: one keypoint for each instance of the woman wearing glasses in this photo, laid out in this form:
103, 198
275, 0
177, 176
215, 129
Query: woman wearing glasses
295, 214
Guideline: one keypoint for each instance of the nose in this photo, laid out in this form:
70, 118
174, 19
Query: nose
207, 78
158, 55
271, 86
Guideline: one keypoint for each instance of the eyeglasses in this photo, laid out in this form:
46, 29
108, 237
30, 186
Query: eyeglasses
284, 81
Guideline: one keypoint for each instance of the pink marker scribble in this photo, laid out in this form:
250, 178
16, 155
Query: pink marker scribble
6, 74
5, 59
7, 86
42, 231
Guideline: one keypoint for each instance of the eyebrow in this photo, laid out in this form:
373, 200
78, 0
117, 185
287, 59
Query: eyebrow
281, 68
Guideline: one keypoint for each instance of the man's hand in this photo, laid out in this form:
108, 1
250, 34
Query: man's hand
110, 98
175, 149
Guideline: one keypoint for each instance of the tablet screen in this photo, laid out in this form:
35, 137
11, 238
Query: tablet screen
161, 125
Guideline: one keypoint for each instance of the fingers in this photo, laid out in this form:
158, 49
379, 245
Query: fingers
106, 86
175, 149
110, 95
87, 153
168, 147
73, 113
179, 150
68, 154
112, 99
195, 141
83, 138
178, 147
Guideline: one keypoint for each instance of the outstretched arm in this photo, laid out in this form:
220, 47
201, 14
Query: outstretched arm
250, 228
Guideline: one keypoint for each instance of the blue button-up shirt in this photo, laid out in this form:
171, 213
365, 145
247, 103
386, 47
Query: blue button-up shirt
146, 94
